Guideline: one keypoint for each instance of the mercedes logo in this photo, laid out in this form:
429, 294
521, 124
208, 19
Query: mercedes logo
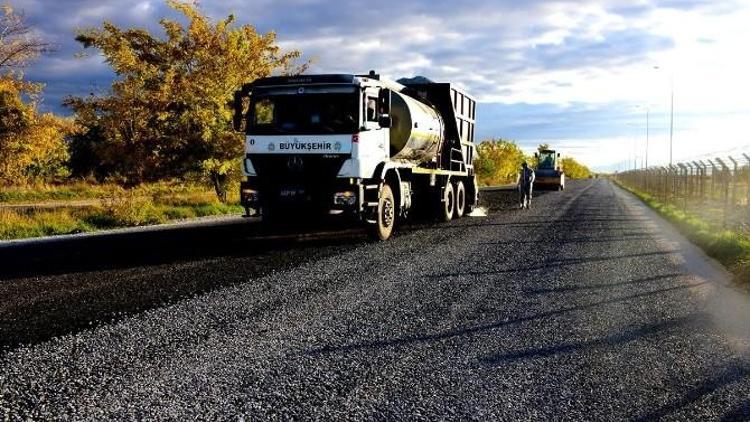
295, 163
271, 147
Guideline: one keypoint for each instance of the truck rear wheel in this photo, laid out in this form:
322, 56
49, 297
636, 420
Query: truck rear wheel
460, 200
386, 215
448, 203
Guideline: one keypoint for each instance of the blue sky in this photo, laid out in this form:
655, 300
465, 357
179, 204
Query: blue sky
579, 75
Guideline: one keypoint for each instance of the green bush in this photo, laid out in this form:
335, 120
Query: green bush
127, 208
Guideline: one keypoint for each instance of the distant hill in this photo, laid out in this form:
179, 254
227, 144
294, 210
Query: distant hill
415, 80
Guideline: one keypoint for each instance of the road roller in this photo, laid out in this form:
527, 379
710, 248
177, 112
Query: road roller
549, 170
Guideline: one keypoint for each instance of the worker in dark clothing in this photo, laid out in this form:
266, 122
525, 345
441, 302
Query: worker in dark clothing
525, 185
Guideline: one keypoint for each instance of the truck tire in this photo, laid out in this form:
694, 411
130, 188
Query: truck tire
460, 194
386, 215
448, 203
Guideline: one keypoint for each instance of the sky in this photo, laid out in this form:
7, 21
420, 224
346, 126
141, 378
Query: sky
579, 75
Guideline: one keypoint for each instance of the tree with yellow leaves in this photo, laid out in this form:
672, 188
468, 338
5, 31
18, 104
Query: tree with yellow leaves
168, 114
32, 144
498, 162
575, 169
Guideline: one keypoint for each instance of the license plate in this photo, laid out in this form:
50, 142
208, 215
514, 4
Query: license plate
290, 193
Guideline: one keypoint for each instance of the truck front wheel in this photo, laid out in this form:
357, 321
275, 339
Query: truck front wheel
386, 215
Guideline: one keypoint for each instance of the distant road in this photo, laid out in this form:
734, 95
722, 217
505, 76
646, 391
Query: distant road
585, 307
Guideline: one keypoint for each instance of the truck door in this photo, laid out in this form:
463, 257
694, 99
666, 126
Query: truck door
373, 140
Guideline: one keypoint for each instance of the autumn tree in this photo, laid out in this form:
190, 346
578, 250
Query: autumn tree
168, 113
18, 43
498, 162
574, 169
32, 144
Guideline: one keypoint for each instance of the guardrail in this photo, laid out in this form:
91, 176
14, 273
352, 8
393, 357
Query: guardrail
716, 189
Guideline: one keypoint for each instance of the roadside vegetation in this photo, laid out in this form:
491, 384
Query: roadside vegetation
104, 207
157, 146
730, 248
499, 161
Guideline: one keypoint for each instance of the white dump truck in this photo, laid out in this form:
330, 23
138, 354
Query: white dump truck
367, 148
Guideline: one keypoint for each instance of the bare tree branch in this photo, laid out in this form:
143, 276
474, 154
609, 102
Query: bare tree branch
18, 43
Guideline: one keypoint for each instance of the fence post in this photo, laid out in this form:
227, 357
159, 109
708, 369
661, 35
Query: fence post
725, 190
733, 191
682, 178
713, 178
697, 180
652, 174
704, 175
674, 173
691, 180
663, 180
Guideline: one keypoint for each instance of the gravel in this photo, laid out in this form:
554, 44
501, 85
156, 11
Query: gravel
580, 308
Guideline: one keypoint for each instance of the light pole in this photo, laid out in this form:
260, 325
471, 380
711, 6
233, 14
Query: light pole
671, 113
671, 117
647, 113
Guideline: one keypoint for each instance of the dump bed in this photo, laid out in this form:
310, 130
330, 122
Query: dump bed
458, 110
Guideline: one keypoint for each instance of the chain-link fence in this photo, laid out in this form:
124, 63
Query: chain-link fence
716, 190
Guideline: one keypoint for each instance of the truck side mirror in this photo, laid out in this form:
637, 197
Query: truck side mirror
385, 121
558, 155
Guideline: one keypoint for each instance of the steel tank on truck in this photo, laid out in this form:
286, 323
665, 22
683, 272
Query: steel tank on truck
417, 130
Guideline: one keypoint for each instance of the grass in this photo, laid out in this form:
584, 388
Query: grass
115, 207
730, 248
176, 193
45, 192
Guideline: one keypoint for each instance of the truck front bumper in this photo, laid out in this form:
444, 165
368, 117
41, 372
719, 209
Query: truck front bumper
346, 195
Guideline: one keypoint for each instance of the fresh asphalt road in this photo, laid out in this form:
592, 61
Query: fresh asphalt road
587, 307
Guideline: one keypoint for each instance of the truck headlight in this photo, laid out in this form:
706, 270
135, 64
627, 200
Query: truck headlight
344, 198
248, 195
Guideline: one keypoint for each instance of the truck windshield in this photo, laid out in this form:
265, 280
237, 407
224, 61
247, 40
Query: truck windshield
304, 114
546, 160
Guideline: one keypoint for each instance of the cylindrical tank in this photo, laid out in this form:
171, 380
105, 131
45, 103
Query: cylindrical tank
417, 129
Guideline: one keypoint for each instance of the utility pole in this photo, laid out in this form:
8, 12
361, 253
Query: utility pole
671, 121
671, 113
647, 112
